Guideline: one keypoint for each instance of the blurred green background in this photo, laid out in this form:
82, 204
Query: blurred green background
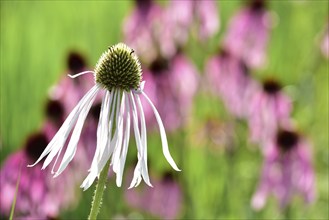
36, 37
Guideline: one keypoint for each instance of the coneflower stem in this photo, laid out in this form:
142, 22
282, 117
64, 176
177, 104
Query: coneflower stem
100, 187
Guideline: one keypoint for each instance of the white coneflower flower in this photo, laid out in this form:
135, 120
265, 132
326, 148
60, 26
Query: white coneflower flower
118, 71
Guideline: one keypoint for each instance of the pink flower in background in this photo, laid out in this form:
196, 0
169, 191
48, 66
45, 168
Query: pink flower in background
155, 31
248, 34
55, 116
163, 200
269, 108
172, 85
77, 87
148, 31
38, 194
325, 42
229, 79
55, 113
183, 14
207, 13
287, 170
63, 97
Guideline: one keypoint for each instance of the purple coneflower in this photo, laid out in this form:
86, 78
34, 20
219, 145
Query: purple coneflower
148, 30
269, 108
229, 78
173, 83
55, 116
118, 74
183, 13
248, 33
38, 195
76, 63
287, 170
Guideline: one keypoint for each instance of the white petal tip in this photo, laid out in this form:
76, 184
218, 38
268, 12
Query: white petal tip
84, 187
131, 186
148, 183
174, 166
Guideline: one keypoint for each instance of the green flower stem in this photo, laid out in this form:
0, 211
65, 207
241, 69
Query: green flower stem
100, 187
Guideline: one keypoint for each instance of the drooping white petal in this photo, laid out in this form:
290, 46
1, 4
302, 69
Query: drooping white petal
118, 149
60, 137
118, 144
111, 122
110, 146
112, 143
164, 141
143, 141
81, 115
88, 181
101, 148
137, 175
72, 146
138, 169
102, 117
105, 148
58, 154
136, 127
80, 74
102, 128
125, 145
106, 154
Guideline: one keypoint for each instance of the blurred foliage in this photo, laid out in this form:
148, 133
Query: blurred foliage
217, 182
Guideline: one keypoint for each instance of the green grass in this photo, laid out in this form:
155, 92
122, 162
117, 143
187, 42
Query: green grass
36, 36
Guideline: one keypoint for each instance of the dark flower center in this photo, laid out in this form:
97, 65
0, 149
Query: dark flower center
224, 53
95, 111
143, 2
144, 5
55, 111
271, 86
286, 140
167, 177
75, 63
35, 145
159, 65
257, 5
118, 68
244, 68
